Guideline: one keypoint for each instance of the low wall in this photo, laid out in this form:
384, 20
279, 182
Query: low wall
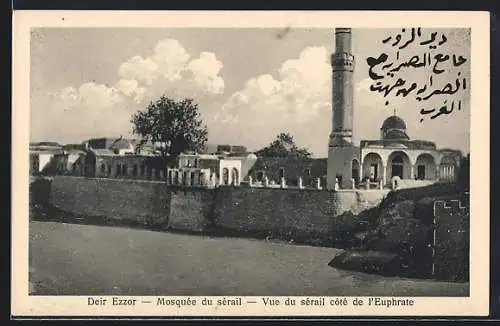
137, 201
410, 183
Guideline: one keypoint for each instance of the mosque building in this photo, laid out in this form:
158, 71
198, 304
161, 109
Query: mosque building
394, 159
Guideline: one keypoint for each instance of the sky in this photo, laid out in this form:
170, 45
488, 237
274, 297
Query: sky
250, 84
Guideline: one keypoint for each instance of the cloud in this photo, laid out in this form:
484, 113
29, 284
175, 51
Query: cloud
141, 70
100, 109
298, 100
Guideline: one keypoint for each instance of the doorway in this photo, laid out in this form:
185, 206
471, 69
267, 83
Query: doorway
397, 167
373, 172
421, 172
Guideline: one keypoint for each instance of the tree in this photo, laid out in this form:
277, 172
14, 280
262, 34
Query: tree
464, 173
283, 146
175, 124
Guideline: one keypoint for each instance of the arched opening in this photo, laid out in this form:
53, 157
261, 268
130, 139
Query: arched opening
235, 176
225, 176
399, 165
176, 177
355, 171
372, 167
425, 167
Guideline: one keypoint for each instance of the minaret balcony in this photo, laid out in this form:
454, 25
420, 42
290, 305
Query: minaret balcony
342, 61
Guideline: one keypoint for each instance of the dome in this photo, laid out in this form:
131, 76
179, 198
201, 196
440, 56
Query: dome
394, 122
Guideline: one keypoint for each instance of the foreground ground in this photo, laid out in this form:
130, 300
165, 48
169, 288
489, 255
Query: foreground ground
71, 259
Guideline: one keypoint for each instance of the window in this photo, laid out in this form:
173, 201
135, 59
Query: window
118, 170
124, 170
225, 176
282, 173
103, 168
157, 173
149, 172
307, 172
109, 169
134, 171
260, 175
235, 176
142, 170
192, 179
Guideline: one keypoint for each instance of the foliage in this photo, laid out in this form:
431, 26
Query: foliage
283, 146
174, 124
464, 175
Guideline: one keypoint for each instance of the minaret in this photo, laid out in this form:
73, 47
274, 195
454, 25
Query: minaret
341, 151
342, 62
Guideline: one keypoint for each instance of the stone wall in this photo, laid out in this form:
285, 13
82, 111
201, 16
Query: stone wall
356, 201
144, 202
292, 211
191, 209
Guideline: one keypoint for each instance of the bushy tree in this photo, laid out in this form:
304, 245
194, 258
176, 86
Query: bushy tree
283, 146
176, 125
464, 174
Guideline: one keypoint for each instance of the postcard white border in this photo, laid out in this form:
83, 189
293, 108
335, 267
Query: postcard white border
475, 305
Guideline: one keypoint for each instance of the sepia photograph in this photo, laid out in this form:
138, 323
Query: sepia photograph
306, 162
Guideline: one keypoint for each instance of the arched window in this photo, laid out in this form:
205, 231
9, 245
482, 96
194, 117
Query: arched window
225, 176
234, 176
